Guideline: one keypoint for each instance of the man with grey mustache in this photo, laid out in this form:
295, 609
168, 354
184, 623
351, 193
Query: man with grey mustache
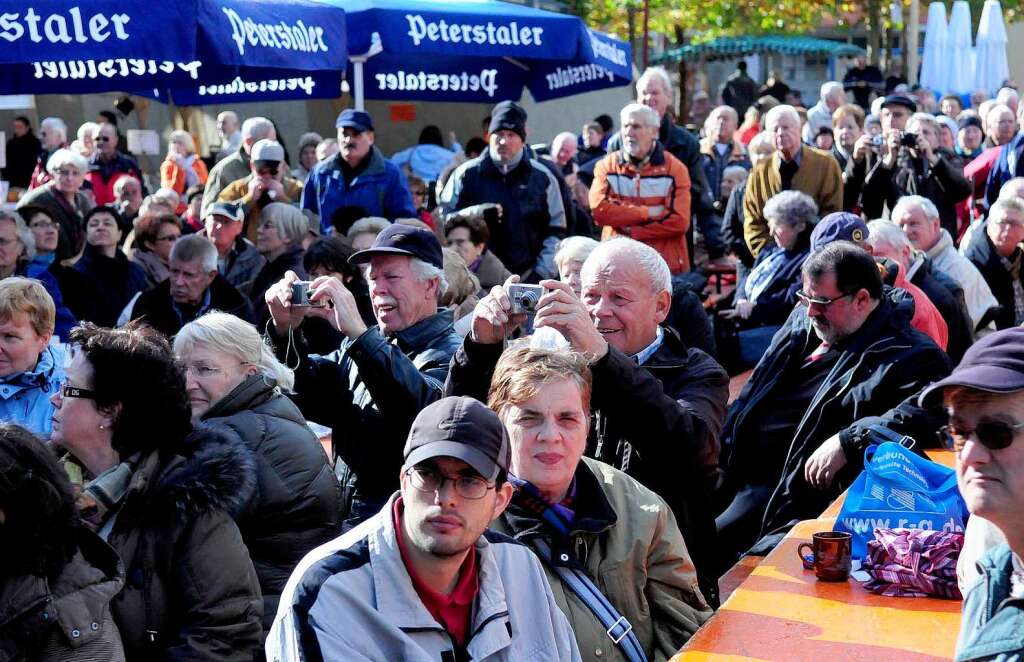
371, 388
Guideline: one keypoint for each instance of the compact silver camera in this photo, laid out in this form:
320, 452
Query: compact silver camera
524, 298
300, 295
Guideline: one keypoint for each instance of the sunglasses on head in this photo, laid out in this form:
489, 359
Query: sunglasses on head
993, 435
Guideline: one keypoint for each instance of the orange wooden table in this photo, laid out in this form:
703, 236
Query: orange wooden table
781, 612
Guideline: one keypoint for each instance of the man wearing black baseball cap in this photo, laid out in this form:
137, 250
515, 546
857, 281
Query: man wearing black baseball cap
517, 196
985, 399
357, 176
370, 390
422, 579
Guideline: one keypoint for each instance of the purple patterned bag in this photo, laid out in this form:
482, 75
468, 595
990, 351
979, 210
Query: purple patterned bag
913, 563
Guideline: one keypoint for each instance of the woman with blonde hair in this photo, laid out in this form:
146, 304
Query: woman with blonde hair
182, 169
234, 382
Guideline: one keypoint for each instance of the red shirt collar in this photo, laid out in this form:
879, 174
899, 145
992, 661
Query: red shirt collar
453, 611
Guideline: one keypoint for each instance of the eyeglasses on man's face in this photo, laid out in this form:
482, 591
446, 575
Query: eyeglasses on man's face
806, 299
993, 435
427, 479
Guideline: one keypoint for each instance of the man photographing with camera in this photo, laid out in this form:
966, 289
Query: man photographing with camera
914, 163
370, 389
658, 405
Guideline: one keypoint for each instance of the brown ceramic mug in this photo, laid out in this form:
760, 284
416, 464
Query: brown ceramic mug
830, 558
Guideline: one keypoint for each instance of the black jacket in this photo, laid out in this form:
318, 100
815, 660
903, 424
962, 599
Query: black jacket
533, 212
369, 392
156, 308
948, 297
67, 619
944, 184
732, 227
117, 280
191, 591
982, 254
22, 152
270, 273
297, 498
881, 364
659, 423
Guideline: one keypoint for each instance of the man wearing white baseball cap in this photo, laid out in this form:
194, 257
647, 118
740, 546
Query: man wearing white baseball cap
269, 181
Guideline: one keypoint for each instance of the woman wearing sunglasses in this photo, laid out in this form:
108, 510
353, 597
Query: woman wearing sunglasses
162, 495
984, 397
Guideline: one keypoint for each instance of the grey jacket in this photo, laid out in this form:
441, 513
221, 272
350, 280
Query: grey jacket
352, 599
226, 171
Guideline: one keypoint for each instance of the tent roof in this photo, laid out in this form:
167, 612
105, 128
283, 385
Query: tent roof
738, 46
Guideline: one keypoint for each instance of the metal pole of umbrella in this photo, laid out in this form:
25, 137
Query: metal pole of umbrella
913, 30
647, 31
357, 69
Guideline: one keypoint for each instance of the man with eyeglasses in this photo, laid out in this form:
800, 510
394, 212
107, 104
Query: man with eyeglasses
423, 579
267, 182
846, 352
108, 164
984, 398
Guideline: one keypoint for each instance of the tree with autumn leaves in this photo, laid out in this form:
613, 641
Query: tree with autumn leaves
691, 21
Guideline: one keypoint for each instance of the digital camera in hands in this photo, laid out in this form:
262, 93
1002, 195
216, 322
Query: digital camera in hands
300, 295
524, 298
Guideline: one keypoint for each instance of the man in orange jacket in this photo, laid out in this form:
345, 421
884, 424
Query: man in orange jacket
642, 191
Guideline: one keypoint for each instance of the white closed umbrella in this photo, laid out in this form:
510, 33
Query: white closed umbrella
991, 68
958, 49
932, 67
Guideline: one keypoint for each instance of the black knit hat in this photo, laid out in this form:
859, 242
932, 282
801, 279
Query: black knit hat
510, 116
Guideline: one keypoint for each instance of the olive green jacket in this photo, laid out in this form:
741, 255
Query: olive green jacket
626, 539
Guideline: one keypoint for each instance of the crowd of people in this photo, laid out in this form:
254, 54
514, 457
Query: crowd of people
472, 401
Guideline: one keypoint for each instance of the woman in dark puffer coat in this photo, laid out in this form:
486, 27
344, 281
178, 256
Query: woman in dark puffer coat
235, 384
164, 496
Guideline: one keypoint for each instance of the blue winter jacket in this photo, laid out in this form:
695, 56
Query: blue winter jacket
1006, 167
25, 396
992, 625
65, 319
425, 161
381, 190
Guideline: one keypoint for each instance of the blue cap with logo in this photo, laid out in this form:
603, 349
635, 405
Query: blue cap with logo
839, 226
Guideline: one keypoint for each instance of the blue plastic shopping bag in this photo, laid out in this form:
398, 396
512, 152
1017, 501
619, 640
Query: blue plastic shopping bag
899, 489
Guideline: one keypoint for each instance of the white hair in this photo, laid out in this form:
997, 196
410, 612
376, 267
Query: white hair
124, 181
227, 335
25, 236
648, 115
196, 247
886, 232
66, 157
828, 88
791, 208
777, 113
718, 110
228, 113
659, 74
55, 124
917, 119
659, 277
368, 225
556, 142
574, 248
168, 195
1008, 189
425, 271
185, 138
1003, 205
1006, 94
908, 202
995, 109
86, 130
290, 222
257, 128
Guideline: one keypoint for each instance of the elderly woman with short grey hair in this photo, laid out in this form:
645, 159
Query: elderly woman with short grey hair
279, 238
64, 200
236, 384
764, 297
